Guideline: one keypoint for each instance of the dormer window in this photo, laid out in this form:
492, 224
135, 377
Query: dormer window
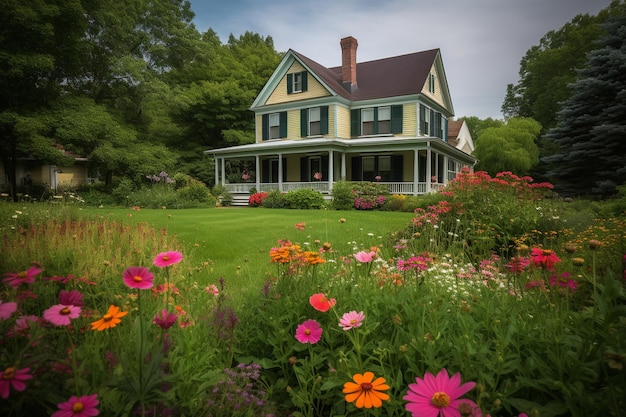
296, 82
431, 83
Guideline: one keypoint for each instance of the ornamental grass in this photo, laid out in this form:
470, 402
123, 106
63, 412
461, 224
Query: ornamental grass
465, 312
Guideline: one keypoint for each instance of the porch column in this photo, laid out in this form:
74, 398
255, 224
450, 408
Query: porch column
257, 172
343, 166
223, 171
331, 170
217, 162
415, 171
429, 174
445, 169
280, 172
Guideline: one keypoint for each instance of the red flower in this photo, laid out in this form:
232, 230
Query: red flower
544, 258
321, 303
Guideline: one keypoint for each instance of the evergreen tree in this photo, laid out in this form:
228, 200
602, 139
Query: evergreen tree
591, 132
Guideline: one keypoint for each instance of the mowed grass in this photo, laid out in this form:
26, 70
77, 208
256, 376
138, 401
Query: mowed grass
234, 243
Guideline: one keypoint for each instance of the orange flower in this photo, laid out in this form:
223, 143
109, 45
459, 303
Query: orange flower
110, 319
313, 258
365, 391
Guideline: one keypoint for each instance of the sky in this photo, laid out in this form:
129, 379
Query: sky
481, 41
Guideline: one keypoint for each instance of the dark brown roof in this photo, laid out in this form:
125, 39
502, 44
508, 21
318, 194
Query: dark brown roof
388, 77
454, 127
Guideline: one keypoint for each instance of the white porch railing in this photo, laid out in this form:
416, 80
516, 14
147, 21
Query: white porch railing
324, 187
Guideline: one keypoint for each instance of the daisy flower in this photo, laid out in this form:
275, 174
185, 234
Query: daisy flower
138, 277
309, 332
438, 396
365, 391
351, 320
61, 315
84, 406
111, 319
165, 259
15, 378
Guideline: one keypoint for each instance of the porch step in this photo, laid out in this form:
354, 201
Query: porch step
240, 199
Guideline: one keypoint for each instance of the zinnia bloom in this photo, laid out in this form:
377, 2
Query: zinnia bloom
15, 378
165, 320
61, 315
109, 320
7, 309
73, 297
84, 406
15, 279
166, 259
321, 303
309, 332
365, 257
545, 258
365, 391
438, 396
351, 320
138, 277
564, 281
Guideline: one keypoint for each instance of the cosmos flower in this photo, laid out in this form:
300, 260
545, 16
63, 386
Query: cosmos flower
438, 396
111, 319
165, 320
351, 320
73, 297
365, 257
7, 309
165, 259
15, 279
564, 281
138, 277
309, 332
61, 315
365, 391
321, 303
15, 378
84, 406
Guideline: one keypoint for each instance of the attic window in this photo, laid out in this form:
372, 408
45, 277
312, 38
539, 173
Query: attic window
431, 83
296, 82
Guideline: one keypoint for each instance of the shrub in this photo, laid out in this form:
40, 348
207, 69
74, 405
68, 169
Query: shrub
275, 199
395, 202
369, 196
256, 199
195, 192
181, 180
123, 191
343, 198
305, 199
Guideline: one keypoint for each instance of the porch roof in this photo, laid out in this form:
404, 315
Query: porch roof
377, 144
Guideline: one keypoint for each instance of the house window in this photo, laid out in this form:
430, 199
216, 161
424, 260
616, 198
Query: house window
367, 122
431, 83
297, 82
426, 122
274, 125
315, 167
384, 120
376, 168
314, 121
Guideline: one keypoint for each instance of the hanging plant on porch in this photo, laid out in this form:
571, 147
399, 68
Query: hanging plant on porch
318, 176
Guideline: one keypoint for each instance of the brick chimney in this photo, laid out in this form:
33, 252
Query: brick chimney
348, 63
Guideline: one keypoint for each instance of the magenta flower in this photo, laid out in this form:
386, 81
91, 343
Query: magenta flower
61, 315
15, 378
564, 281
165, 320
71, 298
351, 320
15, 279
365, 257
7, 309
309, 332
166, 259
84, 406
22, 326
138, 277
438, 396
544, 258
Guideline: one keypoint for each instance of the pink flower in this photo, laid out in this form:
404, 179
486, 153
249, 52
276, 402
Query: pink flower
300, 226
212, 289
165, 259
7, 309
73, 297
351, 320
309, 332
165, 320
22, 326
438, 396
365, 257
15, 378
15, 279
138, 277
318, 176
564, 281
545, 258
61, 315
84, 406
321, 303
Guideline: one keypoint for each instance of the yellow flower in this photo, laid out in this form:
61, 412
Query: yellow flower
110, 319
365, 391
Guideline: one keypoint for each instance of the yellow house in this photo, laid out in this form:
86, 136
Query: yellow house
384, 120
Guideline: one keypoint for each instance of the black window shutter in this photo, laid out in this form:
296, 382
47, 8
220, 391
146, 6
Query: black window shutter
289, 83
356, 169
283, 124
445, 129
422, 121
265, 127
438, 124
396, 119
324, 120
355, 122
304, 122
325, 167
397, 167
284, 169
432, 123
304, 169
265, 170
304, 81
376, 120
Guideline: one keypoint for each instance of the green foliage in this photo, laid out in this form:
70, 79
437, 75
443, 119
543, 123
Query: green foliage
343, 198
123, 191
275, 199
195, 194
305, 199
220, 192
